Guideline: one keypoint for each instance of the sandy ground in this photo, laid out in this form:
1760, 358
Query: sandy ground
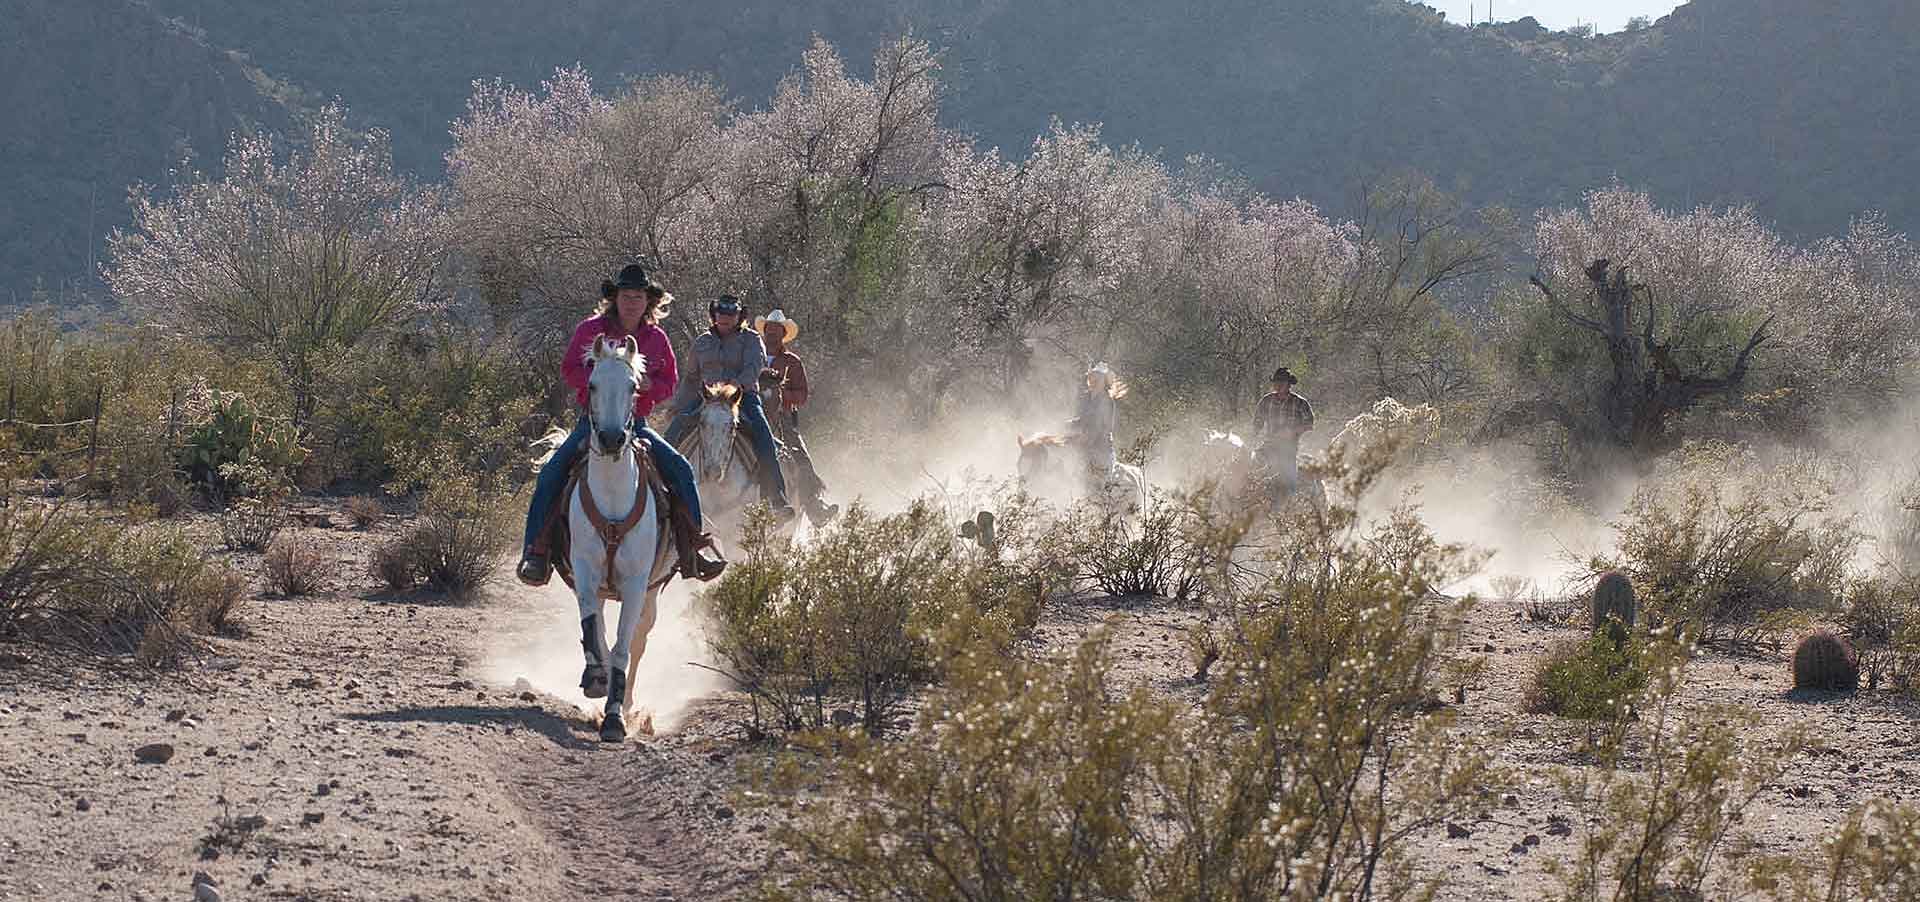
359, 746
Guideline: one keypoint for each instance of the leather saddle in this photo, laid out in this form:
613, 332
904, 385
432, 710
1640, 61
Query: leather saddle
558, 531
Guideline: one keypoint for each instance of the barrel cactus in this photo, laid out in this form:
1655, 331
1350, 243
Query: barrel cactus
1823, 660
1613, 602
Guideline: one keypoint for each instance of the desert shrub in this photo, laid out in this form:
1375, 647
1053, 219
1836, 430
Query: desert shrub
293, 568
1314, 754
858, 614
1881, 621
45, 552
1017, 784
1667, 791
1013, 559
453, 548
392, 563
1874, 856
1158, 559
1591, 678
364, 511
1825, 661
1737, 552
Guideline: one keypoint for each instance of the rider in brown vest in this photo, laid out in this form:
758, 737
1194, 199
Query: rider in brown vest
778, 333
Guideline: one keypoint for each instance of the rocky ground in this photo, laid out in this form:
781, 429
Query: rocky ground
358, 745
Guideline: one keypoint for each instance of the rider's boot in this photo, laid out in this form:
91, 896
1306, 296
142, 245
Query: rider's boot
783, 511
820, 512
593, 679
534, 569
691, 542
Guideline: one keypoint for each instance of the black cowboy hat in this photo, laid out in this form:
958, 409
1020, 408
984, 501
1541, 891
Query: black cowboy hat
725, 303
633, 276
1285, 375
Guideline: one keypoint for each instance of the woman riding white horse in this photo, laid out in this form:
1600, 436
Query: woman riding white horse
631, 308
616, 545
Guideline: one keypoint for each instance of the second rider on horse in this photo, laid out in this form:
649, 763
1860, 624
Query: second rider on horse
631, 306
730, 353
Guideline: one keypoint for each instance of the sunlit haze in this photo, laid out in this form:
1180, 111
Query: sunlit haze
1604, 15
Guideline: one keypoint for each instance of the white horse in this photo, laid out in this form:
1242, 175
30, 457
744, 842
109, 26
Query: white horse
610, 503
723, 458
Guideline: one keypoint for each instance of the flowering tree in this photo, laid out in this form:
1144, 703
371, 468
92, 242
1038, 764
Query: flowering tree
1647, 315
555, 189
826, 185
297, 262
1027, 242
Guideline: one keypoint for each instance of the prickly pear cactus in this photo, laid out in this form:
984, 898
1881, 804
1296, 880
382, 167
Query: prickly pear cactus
1823, 660
984, 526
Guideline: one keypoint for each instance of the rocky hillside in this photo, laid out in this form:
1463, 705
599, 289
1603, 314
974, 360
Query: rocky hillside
98, 95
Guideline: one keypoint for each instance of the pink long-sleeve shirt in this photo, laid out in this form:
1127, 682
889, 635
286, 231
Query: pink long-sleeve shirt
663, 372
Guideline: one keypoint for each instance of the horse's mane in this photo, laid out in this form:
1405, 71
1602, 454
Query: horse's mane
1041, 439
725, 394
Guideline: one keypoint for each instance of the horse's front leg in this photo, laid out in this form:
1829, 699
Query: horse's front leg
637, 615
593, 639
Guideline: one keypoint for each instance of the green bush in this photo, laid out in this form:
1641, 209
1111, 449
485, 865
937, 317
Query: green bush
1017, 784
1667, 792
421, 411
1592, 678
859, 614
1736, 552
234, 445
1882, 623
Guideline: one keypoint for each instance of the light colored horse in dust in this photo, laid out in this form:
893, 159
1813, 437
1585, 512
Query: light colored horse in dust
1050, 465
723, 460
610, 490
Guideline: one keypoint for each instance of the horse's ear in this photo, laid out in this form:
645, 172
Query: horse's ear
599, 346
630, 345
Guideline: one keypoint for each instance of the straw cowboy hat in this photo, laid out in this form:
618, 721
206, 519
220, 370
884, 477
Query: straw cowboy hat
791, 327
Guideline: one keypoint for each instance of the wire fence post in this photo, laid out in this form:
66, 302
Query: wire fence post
93, 430
173, 415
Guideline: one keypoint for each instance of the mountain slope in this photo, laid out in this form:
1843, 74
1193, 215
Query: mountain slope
99, 95
1724, 101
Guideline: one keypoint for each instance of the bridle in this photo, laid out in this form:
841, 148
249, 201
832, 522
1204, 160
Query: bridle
639, 385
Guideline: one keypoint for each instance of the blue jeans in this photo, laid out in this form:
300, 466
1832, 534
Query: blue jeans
773, 483
553, 476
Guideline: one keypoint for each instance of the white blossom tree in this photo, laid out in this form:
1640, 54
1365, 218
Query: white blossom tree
297, 262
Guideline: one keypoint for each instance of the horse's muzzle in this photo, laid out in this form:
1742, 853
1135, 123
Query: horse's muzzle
608, 441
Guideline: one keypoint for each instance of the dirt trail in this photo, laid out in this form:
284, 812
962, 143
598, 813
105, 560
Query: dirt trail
384, 766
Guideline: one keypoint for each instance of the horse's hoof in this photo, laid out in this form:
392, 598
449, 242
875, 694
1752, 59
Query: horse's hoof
613, 728
593, 681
